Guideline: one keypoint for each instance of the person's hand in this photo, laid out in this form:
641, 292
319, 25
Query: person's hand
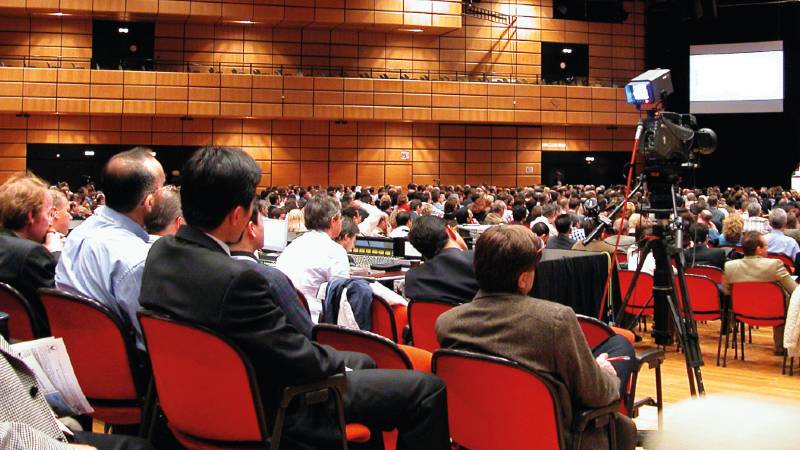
82, 447
602, 361
53, 241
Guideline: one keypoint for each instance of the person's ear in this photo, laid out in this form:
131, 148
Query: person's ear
525, 282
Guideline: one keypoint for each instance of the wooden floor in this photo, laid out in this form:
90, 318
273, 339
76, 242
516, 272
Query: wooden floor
760, 373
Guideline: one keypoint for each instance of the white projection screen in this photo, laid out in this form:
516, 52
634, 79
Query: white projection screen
736, 78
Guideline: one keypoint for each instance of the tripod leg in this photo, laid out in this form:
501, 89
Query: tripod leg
719, 340
727, 342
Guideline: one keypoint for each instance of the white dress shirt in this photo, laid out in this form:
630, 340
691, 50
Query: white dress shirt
310, 260
400, 232
369, 226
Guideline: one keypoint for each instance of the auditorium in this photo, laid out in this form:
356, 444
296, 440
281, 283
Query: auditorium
399, 224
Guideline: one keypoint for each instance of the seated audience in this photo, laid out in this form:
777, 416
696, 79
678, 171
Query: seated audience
217, 192
403, 220
562, 241
315, 257
25, 263
447, 273
519, 213
59, 214
296, 221
279, 287
700, 253
777, 242
347, 237
103, 258
493, 219
165, 217
705, 218
540, 335
27, 422
755, 267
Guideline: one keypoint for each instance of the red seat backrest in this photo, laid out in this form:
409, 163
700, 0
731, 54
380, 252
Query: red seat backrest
787, 262
494, 403
383, 321
20, 322
385, 352
705, 297
422, 317
641, 294
205, 386
595, 331
715, 273
758, 303
97, 345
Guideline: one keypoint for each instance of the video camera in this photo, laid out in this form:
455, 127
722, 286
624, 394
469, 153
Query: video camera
667, 137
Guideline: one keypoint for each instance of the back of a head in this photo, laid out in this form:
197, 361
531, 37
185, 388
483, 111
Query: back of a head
548, 210
349, 229
540, 229
751, 242
215, 180
128, 177
698, 233
428, 236
777, 218
402, 218
563, 222
166, 209
20, 196
319, 211
502, 254
520, 212
753, 209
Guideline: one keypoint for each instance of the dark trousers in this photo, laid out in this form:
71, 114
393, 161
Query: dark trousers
111, 441
619, 346
413, 402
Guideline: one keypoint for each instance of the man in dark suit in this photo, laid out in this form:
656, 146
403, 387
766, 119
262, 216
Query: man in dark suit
447, 272
540, 335
700, 254
25, 263
192, 277
564, 227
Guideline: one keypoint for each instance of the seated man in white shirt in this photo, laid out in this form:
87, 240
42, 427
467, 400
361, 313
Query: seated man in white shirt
315, 257
777, 242
403, 221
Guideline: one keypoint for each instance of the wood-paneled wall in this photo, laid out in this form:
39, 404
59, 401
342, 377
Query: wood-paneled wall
320, 152
132, 93
430, 15
616, 51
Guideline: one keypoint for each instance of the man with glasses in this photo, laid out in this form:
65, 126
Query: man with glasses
103, 258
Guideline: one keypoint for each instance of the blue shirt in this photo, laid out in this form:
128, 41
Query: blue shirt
777, 242
103, 259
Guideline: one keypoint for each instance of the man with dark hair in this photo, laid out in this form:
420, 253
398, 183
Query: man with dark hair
447, 272
548, 217
403, 220
540, 335
236, 302
347, 236
541, 230
280, 288
315, 257
564, 227
103, 258
519, 214
700, 253
25, 263
755, 267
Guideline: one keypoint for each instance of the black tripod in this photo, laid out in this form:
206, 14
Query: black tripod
665, 243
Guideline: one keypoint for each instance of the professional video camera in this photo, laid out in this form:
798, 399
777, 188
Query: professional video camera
669, 138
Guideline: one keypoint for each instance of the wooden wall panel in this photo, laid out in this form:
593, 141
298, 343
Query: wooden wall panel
321, 152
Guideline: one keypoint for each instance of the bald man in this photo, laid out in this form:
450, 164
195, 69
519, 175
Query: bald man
103, 258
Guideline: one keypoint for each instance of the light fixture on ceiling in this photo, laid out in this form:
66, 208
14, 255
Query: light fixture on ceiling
411, 30
589, 159
566, 50
58, 14
88, 153
122, 30
554, 145
244, 22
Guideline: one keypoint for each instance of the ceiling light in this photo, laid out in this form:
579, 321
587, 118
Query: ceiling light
123, 30
554, 145
58, 155
589, 158
88, 153
58, 14
244, 22
566, 50
412, 30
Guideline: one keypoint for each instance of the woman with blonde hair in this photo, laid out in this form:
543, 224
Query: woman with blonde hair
296, 221
732, 228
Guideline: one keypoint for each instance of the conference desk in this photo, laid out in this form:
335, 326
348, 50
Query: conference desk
576, 279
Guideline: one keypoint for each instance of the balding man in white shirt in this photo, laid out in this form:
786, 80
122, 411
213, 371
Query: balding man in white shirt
315, 257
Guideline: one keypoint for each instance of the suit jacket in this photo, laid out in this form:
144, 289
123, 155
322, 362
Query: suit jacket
190, 277
542, 336
26, 421
27, 266
757, 268
596, 245
560, 242
448, 276
702, 255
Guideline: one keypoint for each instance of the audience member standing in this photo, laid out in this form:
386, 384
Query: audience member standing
103, 258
